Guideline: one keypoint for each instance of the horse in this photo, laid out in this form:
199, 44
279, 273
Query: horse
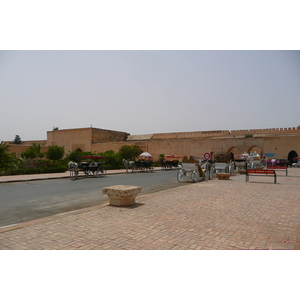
128, 165
73, 167
168, 164
207, 166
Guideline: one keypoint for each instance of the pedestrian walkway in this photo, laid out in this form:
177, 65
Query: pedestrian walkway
32, 177
217, 214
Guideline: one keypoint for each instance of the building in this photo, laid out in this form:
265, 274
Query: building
279, 142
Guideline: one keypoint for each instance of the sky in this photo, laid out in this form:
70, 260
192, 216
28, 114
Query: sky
144, 92
143, 69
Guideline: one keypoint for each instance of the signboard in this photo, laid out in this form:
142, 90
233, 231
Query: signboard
270, 154
207, 156
171, 156
92, 157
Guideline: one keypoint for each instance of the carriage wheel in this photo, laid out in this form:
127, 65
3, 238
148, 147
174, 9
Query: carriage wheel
206, 175
212, 172
180, 175
231, 169
195, 176
99, 173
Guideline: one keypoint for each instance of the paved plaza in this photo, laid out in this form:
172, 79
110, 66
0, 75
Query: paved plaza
217, 214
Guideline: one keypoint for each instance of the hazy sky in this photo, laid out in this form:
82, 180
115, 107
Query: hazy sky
142, 92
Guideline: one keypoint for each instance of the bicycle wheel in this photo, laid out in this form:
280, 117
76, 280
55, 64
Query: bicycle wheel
180, 175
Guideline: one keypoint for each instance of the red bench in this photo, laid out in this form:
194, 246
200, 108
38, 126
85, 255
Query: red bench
279, 168
260, 173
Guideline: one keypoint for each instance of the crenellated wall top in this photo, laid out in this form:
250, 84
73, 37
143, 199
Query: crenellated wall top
266, 131
193, 134
220, 133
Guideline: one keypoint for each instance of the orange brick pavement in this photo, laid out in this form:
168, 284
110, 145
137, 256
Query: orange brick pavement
216, 214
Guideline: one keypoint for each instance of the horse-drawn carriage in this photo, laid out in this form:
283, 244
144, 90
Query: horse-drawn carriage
297, 163
88, 167
196, 169
139, 165
254, 161
143, 163
240, 161
169, 162
222, 163
248, 161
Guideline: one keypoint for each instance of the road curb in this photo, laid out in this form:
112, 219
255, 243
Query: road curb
59, 177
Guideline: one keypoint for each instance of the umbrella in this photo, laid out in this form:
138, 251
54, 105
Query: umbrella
146, 154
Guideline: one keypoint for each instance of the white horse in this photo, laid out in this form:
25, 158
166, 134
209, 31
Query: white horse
73, 167
128, 165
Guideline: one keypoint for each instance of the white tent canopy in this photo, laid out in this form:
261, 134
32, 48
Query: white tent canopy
146, 154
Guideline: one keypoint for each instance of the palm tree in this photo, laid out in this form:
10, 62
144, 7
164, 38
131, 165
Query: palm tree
4, 155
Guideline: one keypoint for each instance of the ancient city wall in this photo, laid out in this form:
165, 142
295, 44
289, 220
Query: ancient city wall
19, 148
266, 131
102, 147
29, 143
189, 135
103, 136
281, 146
280, 141
71, 139
83, 138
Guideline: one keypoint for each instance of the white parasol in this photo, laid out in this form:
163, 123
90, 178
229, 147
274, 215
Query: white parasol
146, 154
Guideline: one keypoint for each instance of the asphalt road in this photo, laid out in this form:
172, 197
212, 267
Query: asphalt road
24, 201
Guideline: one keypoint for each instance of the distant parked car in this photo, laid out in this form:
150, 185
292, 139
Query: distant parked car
283, 162
296, 163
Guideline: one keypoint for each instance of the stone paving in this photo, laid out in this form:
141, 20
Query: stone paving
217, 214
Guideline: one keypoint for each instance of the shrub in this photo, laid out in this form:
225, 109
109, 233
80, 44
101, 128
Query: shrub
55, 152
35, 167
113, 160
130, 152
33, 151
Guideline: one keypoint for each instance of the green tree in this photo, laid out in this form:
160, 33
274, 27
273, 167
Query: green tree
55, 152
130, 152
74, 156
5, 156
33, 151
113, 160
17, 140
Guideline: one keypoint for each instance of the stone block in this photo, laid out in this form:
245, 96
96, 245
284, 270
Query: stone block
122, 195
223, 176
